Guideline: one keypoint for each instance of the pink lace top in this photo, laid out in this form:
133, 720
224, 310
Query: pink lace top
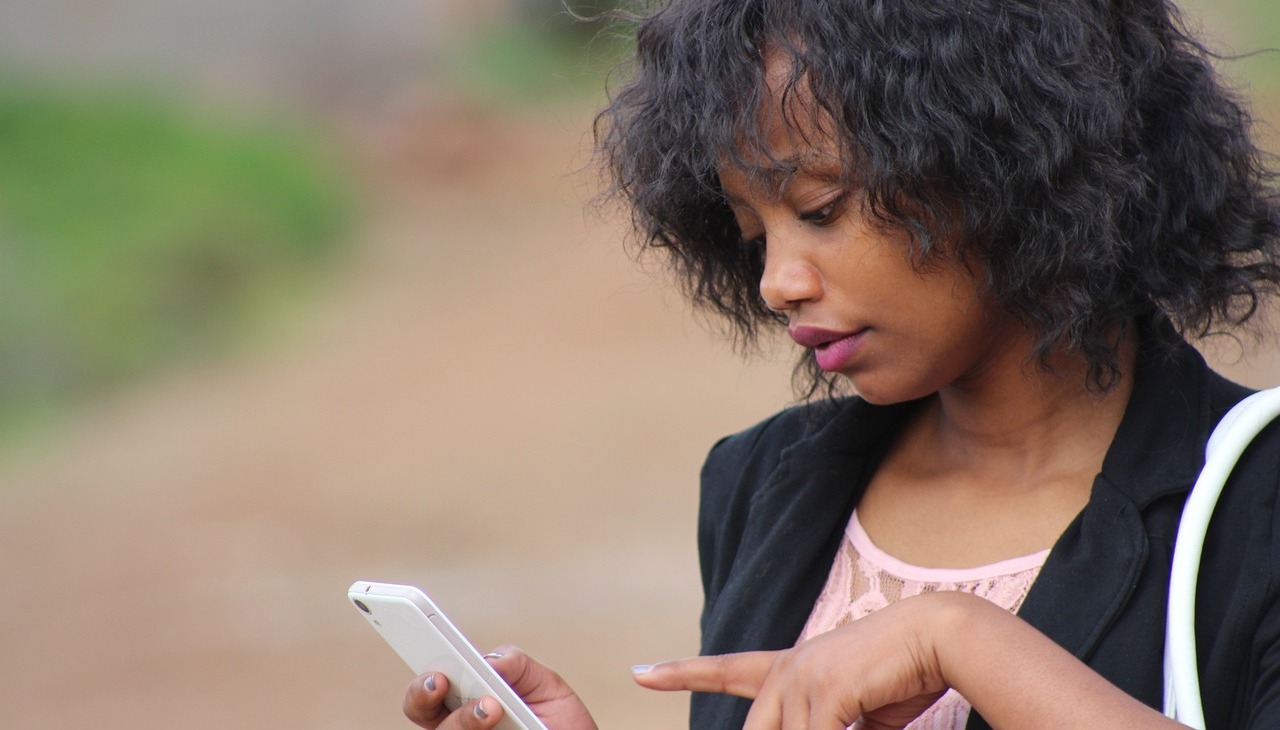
865, 578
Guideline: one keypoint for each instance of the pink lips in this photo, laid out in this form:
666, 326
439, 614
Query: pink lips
833, 350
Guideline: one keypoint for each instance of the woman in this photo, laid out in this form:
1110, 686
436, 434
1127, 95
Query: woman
993, 221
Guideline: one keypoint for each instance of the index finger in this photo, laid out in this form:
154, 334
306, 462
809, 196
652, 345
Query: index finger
424, 699
733, 674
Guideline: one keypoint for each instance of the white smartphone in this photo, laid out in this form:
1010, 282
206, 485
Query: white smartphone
428, 642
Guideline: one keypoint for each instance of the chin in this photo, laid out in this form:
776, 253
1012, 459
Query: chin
887, 394
879, 399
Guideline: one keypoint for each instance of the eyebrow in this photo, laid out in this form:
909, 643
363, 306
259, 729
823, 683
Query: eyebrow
775, 177
806, 159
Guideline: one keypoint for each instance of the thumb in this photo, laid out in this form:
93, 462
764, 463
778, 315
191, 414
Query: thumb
734, 674
533, 681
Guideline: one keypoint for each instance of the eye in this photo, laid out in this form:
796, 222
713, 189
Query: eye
826, 213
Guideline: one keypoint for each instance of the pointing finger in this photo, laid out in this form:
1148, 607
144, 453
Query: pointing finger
734, 674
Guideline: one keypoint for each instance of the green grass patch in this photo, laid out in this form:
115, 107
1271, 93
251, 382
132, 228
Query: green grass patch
134, 230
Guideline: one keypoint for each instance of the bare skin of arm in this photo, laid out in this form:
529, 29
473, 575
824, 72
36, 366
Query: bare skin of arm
887, 668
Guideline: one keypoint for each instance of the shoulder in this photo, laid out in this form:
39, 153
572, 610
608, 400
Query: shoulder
749, 456
739, 465
759, 445
796, 456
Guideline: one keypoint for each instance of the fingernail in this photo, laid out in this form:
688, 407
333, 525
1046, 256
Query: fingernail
431, 682
494, 655
480, 713
641, 668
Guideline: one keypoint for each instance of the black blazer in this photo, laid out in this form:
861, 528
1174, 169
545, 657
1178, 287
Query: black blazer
776, 498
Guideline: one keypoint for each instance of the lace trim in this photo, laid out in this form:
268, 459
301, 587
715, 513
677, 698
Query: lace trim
864, 578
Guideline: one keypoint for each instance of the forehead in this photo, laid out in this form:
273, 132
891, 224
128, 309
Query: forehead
792, 134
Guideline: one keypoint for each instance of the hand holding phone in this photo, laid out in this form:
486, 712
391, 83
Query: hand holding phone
428, 642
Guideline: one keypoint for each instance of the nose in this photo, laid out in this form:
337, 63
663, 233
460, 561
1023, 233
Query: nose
789, 278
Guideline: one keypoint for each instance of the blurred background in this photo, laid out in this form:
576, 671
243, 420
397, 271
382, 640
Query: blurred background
299, 293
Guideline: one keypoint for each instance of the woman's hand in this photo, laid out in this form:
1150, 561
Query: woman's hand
884, 670
550, 698
881, 670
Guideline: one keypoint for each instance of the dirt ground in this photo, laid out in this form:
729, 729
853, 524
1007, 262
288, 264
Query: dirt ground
490, 401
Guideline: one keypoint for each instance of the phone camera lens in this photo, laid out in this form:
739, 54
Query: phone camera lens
360, 605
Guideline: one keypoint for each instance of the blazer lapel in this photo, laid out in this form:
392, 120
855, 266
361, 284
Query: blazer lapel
1090, 572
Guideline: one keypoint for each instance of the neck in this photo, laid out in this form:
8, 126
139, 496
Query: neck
1017, 423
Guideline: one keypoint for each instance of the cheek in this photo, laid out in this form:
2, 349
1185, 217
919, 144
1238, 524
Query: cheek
945, 330
957, 328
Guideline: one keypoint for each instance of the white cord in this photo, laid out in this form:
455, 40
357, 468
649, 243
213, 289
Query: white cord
1229, 440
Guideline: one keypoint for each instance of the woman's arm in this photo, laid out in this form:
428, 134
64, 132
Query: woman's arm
888, 667
1019, 678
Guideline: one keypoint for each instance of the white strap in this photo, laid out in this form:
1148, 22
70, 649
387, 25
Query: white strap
1229, 440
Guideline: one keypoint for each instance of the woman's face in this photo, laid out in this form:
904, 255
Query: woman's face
847, 284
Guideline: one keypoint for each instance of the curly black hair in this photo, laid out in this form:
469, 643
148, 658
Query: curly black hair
1084, 153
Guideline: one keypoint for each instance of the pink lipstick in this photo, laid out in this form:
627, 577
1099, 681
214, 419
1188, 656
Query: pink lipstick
833, 350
